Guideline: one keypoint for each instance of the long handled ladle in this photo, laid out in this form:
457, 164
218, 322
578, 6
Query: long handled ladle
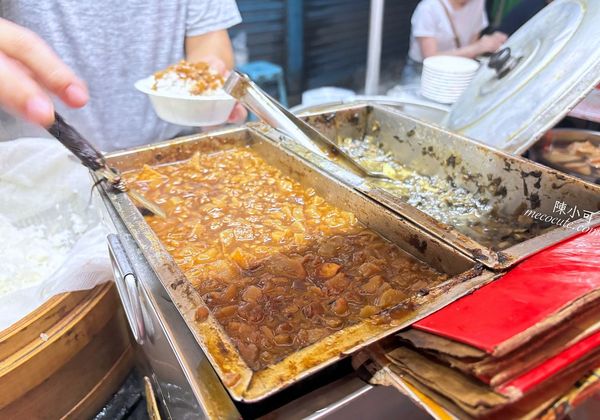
94, 160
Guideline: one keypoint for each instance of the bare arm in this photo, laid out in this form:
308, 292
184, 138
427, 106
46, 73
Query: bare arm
211, 45
485, 44
429, 48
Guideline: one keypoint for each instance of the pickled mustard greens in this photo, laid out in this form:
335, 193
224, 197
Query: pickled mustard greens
277, 266
441, 200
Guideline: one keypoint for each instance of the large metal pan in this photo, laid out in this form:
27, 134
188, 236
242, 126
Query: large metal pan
243, 383
510, 184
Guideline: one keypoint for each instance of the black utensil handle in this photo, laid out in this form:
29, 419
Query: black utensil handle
79, 146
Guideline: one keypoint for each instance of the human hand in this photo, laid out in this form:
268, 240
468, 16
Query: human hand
239, 113
491, 43
29, 72
500, 36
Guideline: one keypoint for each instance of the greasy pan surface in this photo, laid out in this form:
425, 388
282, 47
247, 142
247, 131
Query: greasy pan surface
254, 383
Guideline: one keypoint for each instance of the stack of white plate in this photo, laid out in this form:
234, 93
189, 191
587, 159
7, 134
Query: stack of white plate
446, 77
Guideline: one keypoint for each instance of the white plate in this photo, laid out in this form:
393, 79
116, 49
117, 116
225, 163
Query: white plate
444, 84
451, 64
448, 90
441, 93
450, 83
188, 110
442, 89
447, 79
449, 73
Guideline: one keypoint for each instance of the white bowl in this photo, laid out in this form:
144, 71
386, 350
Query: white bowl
188, 110
441, 95
443, 90
470, 67
447, 79
451, 64
427, 79
446, 87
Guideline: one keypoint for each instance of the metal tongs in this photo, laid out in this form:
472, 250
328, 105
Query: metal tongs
259, 102
94, 160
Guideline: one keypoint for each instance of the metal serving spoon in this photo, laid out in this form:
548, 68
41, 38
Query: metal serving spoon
94, 160
258, 101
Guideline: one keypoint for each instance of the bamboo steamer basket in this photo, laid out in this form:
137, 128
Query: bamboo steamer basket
67, 358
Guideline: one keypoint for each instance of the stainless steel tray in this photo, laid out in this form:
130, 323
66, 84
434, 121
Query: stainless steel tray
243, 383
510, 184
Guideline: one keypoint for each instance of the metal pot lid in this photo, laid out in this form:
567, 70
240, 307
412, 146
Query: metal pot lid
547, 67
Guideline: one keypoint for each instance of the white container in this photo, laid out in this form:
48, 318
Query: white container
188, 110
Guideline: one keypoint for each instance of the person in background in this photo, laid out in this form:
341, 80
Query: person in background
521, 13
448, 27
104, 48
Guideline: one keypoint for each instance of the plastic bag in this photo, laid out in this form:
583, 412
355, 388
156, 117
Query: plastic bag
46, 194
